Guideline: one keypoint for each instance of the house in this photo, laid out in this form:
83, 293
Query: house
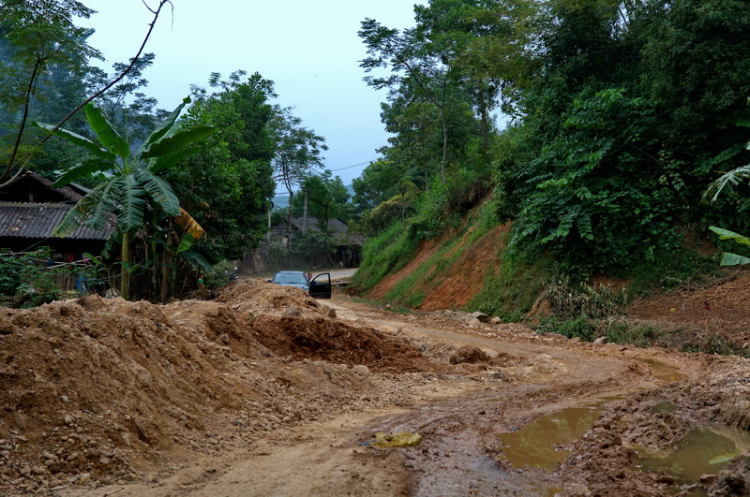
347, 244
275, 255
30, 209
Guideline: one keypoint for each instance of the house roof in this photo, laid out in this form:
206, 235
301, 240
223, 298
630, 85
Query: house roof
31, 187
26, 220
338, 229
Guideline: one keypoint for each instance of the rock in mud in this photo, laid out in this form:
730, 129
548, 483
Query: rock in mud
482, 317
734, 479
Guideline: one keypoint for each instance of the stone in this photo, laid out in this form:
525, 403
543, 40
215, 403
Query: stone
292, 312
475, 323
600, 341
496, 320
19, 419
361, 369
331, 313
482, 317
667, 479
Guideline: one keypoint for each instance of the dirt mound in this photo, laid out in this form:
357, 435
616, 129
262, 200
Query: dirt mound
95, 388
332, 341
718, 309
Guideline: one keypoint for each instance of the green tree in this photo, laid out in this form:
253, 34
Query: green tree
38, 36
129, 183
298, 152
227, 185
421, 80
327, 198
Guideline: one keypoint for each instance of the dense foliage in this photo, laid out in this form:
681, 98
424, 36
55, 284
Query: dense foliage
620, 114
141, 163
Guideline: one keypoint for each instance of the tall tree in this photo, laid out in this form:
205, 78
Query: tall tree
37, 35
227, 185
418, 73
298, 152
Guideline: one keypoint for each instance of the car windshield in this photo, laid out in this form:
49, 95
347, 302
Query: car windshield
295, 278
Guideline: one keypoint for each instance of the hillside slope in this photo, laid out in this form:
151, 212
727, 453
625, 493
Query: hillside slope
449, 272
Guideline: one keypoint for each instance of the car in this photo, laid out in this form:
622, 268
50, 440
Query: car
318, 287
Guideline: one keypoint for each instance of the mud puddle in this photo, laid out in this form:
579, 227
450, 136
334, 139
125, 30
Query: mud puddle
662, 371
539, 444
703, 451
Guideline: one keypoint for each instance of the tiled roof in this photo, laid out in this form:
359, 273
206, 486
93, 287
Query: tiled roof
38, 220
338, 229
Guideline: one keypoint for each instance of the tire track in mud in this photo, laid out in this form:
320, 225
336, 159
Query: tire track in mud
461, 451
460, 422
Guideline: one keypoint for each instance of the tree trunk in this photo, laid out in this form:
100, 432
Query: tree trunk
165, 277
289, 215
485, 119
125, 257
304, 215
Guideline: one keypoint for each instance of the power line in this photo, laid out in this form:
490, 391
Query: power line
355, 165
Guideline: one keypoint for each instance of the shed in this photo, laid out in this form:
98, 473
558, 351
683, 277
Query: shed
30, 209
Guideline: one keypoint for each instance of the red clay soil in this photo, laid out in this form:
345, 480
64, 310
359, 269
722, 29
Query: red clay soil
467, 274
98, 386
426, 249
722, 309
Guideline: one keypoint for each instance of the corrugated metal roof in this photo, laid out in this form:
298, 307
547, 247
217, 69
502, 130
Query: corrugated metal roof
23, 220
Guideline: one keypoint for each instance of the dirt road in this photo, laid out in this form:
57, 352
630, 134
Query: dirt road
510, 413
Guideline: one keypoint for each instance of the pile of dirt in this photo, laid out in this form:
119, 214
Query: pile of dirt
719, 308
332, 341
96, 388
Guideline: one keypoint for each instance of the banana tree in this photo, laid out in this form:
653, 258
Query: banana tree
728, 181
130, 183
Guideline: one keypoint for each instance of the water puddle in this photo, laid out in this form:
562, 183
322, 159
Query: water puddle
662, 371
665, 407
702, 451
536, 444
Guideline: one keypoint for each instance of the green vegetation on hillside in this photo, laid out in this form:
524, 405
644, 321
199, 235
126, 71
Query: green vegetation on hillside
621, 115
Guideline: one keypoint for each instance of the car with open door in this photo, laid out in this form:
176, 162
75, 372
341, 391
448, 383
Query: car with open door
318, 287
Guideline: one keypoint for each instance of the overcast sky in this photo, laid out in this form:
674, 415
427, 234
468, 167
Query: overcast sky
310, 49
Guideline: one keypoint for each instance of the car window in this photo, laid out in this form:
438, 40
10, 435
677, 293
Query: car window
298, 279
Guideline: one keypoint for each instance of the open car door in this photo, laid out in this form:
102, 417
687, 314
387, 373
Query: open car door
320, 286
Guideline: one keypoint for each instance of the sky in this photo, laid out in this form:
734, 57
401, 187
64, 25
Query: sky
310, 49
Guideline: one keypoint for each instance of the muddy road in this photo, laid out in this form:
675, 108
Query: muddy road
509, 412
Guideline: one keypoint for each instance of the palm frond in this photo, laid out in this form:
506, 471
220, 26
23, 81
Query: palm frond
107, 133
160, 191
83, 170
106, 205
79, 140
133, 200
190, 225
164, 128
178, 141
727, 180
